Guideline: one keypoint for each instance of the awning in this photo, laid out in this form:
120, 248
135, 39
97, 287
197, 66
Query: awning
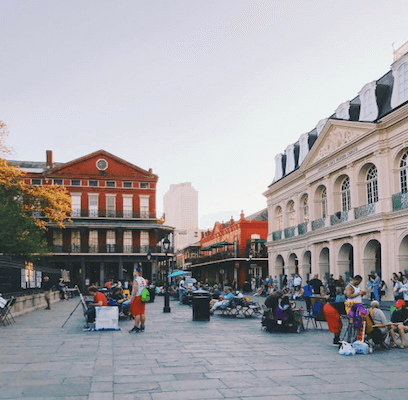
259, 241
206, 248
224, 243
176, 273
216, 246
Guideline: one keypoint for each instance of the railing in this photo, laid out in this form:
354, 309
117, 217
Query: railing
277, 235
339, 218
289, 232
318, 223
108, 248
302, 228
111, 214
399, 201
364, 211
226, 255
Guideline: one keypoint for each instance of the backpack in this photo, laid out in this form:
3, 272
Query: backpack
145, 296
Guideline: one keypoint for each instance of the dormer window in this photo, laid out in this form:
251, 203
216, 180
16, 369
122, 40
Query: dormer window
290, 158
320, 125
343, 111
278, 167
303, 147
369, 109
400, 91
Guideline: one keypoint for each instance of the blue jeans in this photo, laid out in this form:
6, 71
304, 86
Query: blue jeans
181, 294
376, 291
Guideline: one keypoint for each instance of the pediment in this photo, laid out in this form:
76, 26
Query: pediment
88, 166
335, 137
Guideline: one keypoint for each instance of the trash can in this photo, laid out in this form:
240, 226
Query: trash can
152, 291
201, 305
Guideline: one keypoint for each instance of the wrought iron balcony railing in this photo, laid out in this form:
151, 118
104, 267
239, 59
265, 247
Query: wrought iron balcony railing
108, 248
318, 223
399, 201
302, 228
277, 235
339, 218
111, 214
364, 211
289, 232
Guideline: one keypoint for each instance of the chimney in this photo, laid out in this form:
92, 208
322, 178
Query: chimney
50, 160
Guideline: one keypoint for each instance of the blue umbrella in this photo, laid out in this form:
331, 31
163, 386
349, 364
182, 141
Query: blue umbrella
176, 273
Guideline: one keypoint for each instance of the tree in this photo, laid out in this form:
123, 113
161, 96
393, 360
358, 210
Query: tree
25, 211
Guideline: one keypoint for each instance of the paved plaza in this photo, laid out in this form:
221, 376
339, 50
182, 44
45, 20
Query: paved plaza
178, 358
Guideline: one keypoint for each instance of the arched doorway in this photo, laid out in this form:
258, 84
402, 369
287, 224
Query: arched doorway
403, 255
346, 261
324, 263
372, 258
305, 269
292, 266
279, 269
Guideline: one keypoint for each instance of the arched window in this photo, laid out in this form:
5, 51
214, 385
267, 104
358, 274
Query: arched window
403, 82
324, 203
345, 195
403, 172
305, 206
372, 185
291, 213
279, 218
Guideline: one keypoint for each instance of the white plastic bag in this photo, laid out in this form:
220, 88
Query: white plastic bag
360, 347
346, 349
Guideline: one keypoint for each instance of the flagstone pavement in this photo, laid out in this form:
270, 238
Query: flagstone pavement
178, 358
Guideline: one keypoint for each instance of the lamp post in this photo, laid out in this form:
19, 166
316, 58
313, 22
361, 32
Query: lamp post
166, 247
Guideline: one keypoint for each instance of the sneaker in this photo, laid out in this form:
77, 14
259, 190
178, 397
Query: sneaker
135, 329
47, 308
142, 328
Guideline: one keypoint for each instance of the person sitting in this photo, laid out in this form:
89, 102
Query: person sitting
284, 312
120, 300
399, 318
224, 302
99, 299
377, 317
272, 301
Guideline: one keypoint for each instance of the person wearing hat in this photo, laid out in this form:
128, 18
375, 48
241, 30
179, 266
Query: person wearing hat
272, 301
399, 318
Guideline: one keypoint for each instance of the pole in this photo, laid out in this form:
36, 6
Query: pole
166, 308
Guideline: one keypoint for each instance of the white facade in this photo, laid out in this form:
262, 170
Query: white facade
344, 210
180, 205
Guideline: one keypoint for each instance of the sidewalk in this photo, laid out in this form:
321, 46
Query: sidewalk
177, 358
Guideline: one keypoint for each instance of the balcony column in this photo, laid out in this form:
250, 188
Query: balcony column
120, 272
83, 274
101, 273
358, 268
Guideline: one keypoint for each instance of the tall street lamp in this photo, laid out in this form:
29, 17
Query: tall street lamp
166, 247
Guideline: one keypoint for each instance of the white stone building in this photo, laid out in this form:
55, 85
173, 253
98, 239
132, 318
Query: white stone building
180, 206
339, 201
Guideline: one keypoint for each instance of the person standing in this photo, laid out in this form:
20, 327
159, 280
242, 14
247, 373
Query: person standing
317, 284
354, 293
376, 286
47, 286
137, 307
181, 290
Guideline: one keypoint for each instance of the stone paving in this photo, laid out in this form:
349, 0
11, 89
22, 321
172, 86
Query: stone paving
178, 358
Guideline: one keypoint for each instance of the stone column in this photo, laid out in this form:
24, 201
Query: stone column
120, 272
101, 273
83, 273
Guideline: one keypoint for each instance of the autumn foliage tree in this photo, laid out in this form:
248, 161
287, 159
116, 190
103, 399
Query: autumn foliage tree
25, 211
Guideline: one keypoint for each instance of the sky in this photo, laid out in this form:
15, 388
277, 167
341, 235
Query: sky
207, 92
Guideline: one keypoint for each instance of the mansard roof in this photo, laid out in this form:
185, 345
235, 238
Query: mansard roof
383, 92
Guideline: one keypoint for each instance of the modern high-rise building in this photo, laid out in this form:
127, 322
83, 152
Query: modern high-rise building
180, 205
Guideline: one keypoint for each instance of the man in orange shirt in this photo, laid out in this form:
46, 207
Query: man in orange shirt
99, 299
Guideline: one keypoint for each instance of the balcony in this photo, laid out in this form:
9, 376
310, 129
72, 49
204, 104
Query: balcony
318, 223
112, 214
289, 232
277, 235
339, 218
302, 228
364, 211
224, 255
399, 201
107, 248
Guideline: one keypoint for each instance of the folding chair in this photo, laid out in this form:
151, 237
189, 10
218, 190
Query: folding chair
313, 316
6, 312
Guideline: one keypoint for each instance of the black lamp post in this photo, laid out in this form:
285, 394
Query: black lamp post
166, 247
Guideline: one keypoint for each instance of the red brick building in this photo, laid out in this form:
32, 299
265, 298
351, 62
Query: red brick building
114, 223
234, 250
